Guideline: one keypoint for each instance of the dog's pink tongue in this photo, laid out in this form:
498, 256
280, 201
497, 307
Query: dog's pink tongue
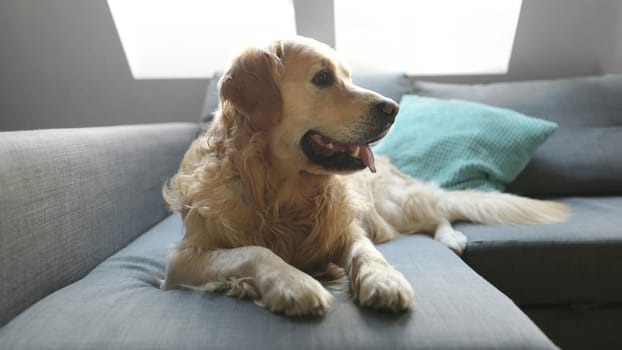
367, 157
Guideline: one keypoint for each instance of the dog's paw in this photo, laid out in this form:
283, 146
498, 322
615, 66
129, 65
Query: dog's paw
297, 295
452, 238
383, 288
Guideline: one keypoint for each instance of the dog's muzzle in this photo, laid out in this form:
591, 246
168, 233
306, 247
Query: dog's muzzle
348, 156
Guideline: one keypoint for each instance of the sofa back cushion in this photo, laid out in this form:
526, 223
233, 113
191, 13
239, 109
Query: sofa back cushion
584, 156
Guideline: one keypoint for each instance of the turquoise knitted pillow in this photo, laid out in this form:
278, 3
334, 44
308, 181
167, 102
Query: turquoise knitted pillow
460, 144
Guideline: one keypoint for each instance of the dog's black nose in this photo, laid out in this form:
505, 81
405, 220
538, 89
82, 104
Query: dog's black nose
386, 109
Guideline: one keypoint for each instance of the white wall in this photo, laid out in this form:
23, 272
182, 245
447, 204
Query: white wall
311, 12
62, 65
564, 38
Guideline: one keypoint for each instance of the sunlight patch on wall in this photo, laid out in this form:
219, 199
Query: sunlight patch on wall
192, 38
427, 37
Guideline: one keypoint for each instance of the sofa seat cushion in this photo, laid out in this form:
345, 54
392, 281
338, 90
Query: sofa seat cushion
583, 157
118, 306
579, 261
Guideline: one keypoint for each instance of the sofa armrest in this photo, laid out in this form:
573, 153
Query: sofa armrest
69, 198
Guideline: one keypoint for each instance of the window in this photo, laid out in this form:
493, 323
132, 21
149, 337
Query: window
192, 38
427, 37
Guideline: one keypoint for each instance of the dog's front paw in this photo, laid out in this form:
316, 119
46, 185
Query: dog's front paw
450, 237
296, 295
453, 239
383, 288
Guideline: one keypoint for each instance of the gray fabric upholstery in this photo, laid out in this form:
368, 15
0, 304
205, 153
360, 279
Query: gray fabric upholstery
210, 102
392, 85
583, 157
118, 306
579, 261
72, 197
580, 327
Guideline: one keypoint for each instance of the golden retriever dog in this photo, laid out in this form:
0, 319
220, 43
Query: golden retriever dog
272, 194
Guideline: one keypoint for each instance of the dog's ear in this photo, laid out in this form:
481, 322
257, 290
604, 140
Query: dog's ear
251, 86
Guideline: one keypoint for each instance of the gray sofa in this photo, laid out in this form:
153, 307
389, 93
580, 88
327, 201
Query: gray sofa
84, 236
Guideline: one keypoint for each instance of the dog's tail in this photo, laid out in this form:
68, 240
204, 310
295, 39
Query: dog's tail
502, 208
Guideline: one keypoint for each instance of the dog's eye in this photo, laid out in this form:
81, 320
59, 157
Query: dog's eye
322, 79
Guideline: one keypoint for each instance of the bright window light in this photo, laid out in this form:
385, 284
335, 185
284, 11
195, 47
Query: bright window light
193, 38
427, 37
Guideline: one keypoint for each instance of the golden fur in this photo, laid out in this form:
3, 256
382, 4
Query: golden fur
260, 216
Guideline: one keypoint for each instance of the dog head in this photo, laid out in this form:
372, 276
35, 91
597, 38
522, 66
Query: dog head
299, 93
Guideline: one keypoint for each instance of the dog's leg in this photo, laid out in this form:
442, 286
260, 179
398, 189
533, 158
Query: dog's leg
446, 234
374, 282
277, 285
